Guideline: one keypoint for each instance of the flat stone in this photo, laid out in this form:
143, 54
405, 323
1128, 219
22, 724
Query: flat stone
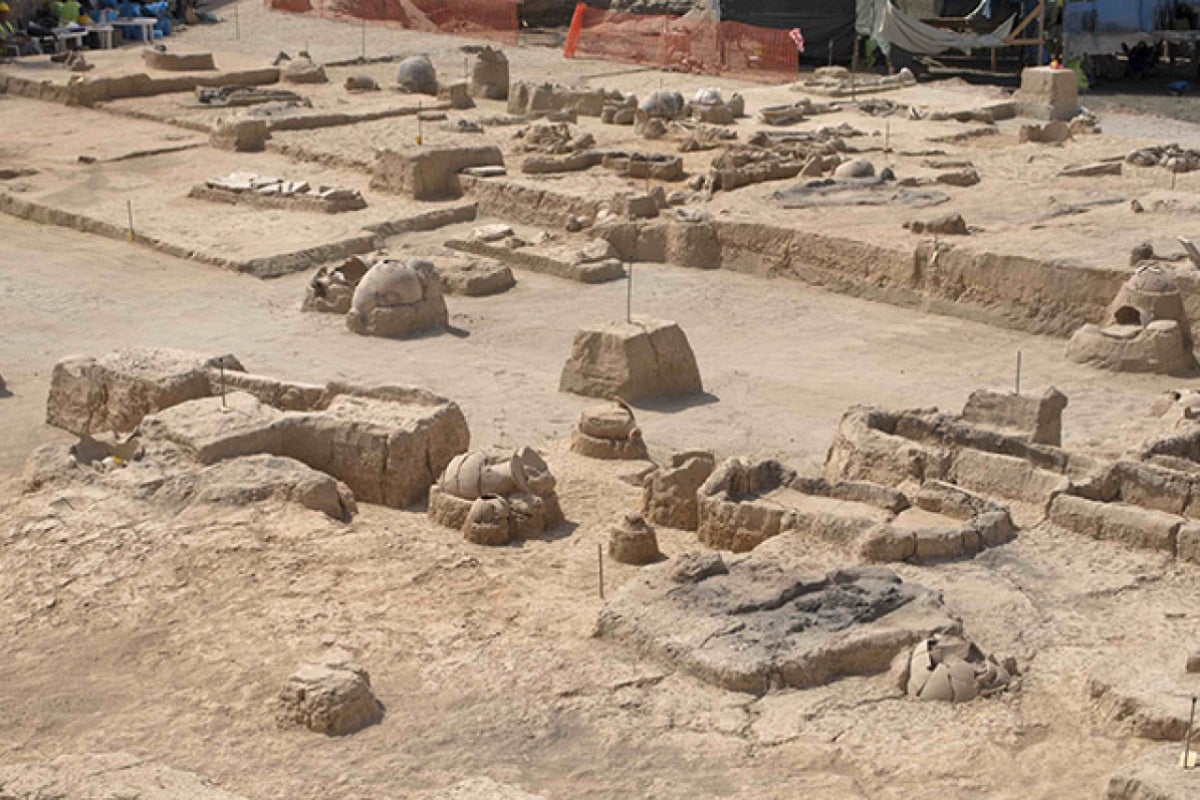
1092, 170
1148, 697
1155, 776
99, 776
758, 626
492, 233
493, 171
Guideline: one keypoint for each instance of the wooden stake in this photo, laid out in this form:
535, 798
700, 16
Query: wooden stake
1041, 33
420, 126
853, 67
1187, 740
629, 293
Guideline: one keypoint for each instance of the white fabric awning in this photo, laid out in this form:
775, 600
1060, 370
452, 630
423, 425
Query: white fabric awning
910, 34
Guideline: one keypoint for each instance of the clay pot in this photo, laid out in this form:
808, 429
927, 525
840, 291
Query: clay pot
487, 521
614, 422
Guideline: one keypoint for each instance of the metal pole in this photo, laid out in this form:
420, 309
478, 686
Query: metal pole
1018, 373
222, 381
129, 211
363, 54
237, 21
600, 566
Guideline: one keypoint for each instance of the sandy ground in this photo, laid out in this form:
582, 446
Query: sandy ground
169, 637
780, 362
1020, 207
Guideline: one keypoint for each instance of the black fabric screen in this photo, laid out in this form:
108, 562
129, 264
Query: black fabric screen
821, 21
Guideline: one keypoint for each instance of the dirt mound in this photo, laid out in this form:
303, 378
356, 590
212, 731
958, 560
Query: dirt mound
331, 696
632, 541
639, 360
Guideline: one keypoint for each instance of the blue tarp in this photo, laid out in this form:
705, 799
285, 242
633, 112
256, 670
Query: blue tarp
1114, 17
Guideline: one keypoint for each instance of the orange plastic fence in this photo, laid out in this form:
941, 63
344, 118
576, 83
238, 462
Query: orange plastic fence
487, 19
682, 43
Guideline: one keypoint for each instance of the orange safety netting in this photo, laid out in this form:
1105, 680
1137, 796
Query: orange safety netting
488, 19
685, 43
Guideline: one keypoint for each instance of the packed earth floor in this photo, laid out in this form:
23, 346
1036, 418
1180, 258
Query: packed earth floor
167, 634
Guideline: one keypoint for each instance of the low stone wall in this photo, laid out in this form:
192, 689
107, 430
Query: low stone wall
92, 91
1130, 525
543, 262
388, 444
737, 512
1044, 297
431, 173
895, 448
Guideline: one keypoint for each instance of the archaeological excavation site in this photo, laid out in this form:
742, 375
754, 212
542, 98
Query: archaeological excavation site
537, 401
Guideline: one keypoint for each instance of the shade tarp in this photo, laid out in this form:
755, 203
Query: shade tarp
914, 36
827, 25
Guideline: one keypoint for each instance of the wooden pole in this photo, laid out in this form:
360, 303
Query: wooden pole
1187, 741
853, 67
1042, 35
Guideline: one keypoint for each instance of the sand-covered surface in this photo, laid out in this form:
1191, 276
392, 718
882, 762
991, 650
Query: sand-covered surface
169, 635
